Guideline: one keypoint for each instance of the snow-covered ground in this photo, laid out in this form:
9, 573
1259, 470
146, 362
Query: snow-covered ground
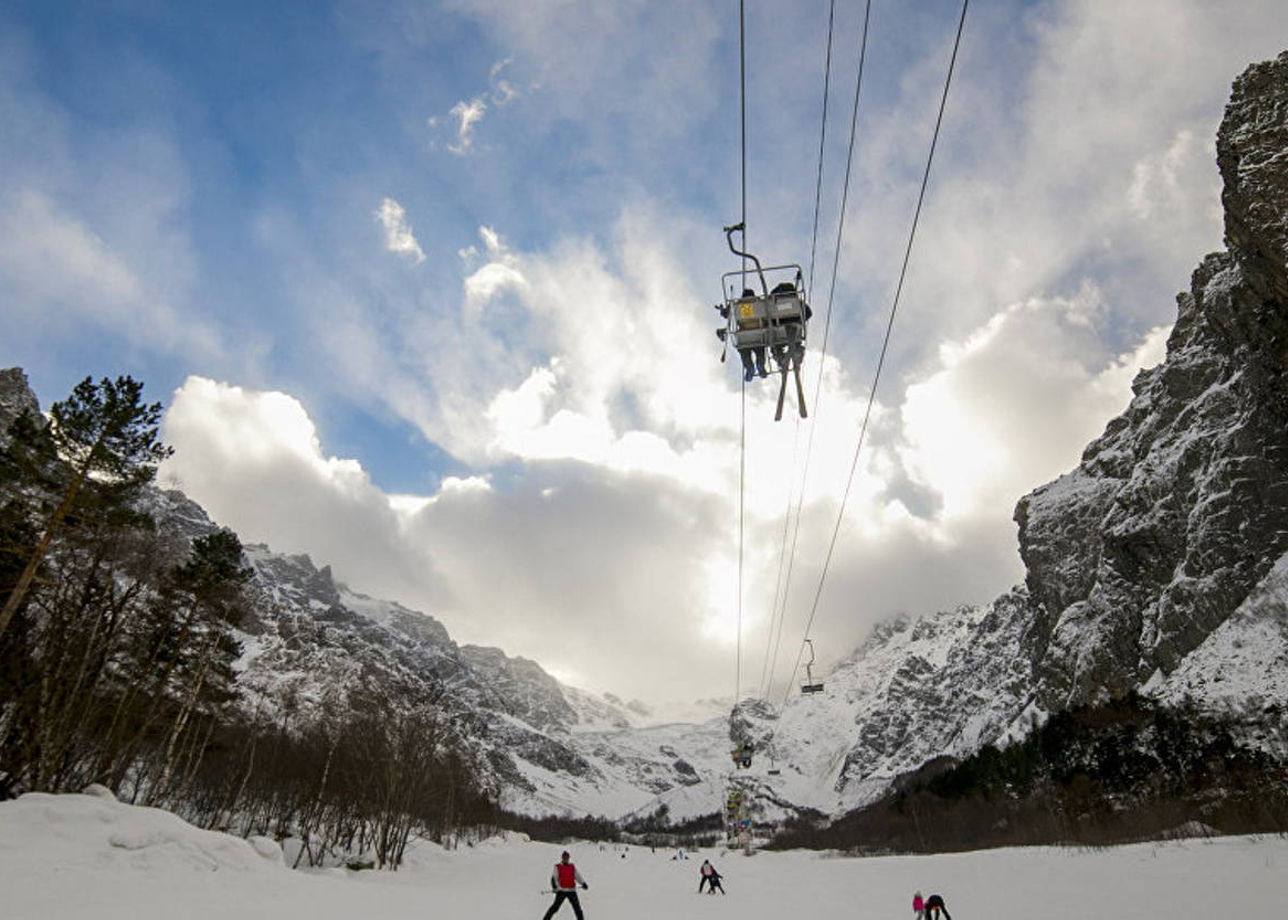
77, 856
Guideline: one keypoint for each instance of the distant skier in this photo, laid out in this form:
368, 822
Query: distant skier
935, 904
711, 877
564, 880
918, 907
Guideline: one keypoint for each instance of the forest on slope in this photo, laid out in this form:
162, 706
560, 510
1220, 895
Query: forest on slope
118, 653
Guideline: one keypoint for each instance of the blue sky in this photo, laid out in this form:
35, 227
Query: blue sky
428, 285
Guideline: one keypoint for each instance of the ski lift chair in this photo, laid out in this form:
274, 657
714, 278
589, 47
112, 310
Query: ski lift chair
773, 321
810, 686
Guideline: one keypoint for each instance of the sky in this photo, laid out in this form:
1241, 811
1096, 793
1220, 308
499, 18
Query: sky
427, 288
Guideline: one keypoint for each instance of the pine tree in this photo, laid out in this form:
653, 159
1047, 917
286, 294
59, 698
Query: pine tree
106, 435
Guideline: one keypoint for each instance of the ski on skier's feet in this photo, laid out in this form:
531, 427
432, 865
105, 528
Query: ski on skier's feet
800, 392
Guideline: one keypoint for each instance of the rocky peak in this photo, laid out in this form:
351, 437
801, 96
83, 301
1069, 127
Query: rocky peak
322, 586
15, 397
520, 686
1250, 152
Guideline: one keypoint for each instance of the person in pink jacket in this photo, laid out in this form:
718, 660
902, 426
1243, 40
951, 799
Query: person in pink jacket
918, 906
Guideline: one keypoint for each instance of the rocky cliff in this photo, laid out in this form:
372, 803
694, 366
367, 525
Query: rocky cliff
1181, 507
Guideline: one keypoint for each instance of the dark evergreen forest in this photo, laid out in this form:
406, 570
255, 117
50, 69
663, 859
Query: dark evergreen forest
1094, 775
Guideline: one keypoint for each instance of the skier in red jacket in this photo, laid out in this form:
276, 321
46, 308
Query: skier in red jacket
564, 880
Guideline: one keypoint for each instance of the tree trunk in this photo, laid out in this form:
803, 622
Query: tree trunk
52, 526
181, 721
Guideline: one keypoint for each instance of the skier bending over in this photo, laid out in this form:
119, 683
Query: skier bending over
934, 904
707, 871
564, 880
711, 877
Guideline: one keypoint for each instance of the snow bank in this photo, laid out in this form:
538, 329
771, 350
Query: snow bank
96, 831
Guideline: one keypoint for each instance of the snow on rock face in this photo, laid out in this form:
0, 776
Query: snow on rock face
1241, 669
1178, 509
523, 681
917, 689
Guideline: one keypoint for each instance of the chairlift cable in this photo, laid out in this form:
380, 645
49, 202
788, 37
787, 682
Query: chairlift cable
766, 675
885, 344
822, 139
742, 505
845, 197
742, 426
827, 323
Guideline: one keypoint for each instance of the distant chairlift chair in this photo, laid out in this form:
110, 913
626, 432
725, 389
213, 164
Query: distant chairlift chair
809, 686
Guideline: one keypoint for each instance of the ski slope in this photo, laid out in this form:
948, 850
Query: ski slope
79, 856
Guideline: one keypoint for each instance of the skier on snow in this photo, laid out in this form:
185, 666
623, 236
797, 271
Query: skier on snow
935, 904
707, 871
564, 880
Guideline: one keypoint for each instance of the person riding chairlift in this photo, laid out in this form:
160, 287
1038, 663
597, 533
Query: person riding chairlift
753, 356
797, 352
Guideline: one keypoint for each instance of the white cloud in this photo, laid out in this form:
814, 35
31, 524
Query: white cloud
1012, 405
1163, 183
489, 280
555, 569
467, 115
254, 461
503, 91
398, 234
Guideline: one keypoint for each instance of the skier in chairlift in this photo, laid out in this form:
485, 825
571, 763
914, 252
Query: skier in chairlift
794, 353
753, 357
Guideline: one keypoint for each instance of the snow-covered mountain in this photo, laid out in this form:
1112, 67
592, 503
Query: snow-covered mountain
1160, 563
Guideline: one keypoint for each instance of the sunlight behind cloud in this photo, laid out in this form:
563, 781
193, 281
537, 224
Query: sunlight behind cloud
1013, 404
